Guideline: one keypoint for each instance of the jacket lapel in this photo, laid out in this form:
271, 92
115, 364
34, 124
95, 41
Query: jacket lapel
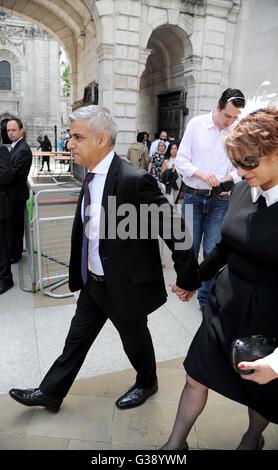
13, 149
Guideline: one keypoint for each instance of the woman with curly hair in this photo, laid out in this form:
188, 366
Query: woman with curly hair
243, 296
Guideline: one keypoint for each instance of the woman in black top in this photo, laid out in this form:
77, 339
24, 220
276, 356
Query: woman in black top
46, 147
243, 297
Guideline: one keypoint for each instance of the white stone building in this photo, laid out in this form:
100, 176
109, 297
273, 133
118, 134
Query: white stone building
156, 63
29, 77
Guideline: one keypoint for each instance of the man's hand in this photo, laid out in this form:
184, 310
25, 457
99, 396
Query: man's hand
225, 193
183, 294
211, 180
263, 372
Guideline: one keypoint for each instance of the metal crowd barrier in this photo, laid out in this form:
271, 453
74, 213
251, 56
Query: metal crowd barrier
29, 242
62, 168
47, 234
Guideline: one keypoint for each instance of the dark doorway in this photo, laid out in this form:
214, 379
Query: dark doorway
171, 111
4, 136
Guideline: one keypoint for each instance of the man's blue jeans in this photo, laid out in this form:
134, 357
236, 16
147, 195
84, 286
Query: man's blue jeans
204, 215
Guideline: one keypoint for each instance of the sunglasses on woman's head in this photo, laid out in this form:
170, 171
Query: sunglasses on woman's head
248, 162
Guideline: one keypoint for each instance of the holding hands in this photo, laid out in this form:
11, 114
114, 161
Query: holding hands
183, 294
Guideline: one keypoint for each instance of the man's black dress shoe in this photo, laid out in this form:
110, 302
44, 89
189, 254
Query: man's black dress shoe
5, 285
135, 396
35, 397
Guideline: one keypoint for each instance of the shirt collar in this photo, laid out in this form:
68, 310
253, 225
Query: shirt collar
210, 123
271, 195
103, 166
15, 142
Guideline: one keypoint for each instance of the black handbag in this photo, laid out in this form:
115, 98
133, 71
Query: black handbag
250, 349
225, 187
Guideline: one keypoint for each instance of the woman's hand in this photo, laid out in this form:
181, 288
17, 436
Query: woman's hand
184, 295
262, 374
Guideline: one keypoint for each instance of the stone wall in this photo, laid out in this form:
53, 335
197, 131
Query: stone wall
255, 54
146, 48
34, 58
136, 50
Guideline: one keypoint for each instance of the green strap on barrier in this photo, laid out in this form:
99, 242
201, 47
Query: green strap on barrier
30, 205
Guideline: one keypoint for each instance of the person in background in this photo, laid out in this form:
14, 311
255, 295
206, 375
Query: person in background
138, 154
61, 143
203, 164
39, 140
6, 176
46, 147
157, 164
170, 178
21, 157
146, 140
163, 137
243, 297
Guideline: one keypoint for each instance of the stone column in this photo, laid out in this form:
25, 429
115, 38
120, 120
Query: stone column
118, 56
212, 40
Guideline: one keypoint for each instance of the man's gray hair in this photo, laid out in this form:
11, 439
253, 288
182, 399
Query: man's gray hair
99, 118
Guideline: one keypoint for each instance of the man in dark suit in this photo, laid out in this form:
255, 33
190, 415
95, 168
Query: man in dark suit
21, 157
6, 175
119, 274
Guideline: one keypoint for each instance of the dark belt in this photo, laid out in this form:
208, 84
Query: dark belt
200, 192
96, 277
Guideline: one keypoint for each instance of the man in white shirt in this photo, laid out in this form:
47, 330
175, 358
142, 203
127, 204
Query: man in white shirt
162, 136
204, 165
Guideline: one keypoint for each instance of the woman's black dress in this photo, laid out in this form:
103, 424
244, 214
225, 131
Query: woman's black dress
243, 301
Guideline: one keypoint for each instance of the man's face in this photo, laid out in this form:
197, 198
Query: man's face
227, 116
14, 131
163, 136
87, 147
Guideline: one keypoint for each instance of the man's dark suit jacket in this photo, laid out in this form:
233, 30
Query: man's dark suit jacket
6, 175
21, 157
132, 267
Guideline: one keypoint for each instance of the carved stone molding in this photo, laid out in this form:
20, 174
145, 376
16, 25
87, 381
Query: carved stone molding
105, 52
10, 35
192, 63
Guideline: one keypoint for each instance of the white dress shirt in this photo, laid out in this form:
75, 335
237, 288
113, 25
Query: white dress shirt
15, 142
202, 148
271, 196
96, 188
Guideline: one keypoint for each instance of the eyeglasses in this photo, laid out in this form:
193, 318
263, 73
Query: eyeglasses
248, 162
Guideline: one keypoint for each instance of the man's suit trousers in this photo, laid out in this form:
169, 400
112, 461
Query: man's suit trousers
94, 307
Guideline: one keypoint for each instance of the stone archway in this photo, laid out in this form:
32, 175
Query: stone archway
163, 93
69, 22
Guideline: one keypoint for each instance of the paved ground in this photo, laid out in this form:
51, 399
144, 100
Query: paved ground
31, 337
